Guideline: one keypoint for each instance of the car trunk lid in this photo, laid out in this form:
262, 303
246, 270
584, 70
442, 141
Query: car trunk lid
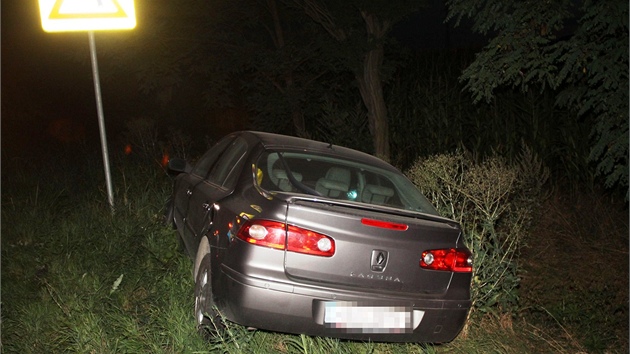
375, 248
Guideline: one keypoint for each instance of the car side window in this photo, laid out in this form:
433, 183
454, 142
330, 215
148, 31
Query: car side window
228, 162
208, 160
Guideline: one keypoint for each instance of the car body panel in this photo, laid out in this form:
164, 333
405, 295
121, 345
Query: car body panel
291, 308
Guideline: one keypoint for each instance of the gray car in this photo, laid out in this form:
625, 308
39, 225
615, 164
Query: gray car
299, 236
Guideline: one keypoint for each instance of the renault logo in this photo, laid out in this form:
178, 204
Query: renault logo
379, 260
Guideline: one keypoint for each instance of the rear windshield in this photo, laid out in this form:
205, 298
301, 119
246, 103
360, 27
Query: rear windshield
335, 178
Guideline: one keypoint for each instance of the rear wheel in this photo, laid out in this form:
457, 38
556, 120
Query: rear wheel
208, 318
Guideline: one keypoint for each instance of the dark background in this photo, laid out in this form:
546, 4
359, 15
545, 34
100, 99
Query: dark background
48, 101
40, 83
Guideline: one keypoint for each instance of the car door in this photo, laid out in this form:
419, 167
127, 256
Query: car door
207, 194
187, 184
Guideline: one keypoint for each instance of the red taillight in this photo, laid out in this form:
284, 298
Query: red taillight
309, 242
449, 259
263, 233
384, 224
274, 234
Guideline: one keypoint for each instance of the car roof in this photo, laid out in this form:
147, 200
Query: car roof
285, 142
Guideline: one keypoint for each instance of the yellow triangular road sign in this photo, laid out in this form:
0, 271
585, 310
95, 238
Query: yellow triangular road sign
86, 15
86, 9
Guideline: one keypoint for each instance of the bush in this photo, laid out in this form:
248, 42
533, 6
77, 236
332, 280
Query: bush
494, 201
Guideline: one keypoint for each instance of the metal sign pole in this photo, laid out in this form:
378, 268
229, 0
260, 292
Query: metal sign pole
101, 121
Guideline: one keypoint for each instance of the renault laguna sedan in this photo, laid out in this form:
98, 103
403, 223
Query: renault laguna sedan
299, 236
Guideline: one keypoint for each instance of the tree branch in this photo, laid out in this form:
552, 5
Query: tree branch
321, 15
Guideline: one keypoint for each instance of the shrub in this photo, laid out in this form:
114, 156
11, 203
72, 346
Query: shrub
147, 146
494, 201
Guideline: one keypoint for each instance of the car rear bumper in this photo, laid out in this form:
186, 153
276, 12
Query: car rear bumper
298, 308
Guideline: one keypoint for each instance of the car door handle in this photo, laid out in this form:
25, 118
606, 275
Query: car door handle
210, 209
208, 206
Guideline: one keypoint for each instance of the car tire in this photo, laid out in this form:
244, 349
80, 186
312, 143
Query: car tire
209, 320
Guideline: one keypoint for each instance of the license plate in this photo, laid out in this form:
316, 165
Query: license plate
353, 318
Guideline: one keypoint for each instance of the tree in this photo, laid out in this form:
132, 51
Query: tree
254, 55
578, 48
280, 64
362, 49
270, 54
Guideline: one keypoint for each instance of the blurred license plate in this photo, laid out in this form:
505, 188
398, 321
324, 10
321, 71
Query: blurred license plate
354, 318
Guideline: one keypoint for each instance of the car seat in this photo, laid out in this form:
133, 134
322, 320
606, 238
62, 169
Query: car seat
335, 184
374, 194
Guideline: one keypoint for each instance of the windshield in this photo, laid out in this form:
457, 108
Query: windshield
335, 178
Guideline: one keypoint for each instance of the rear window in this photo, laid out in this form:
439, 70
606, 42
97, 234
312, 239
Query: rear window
331, 177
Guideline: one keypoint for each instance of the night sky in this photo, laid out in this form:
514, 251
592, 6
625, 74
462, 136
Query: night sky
48, 90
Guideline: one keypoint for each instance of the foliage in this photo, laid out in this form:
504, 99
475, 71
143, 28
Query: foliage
280, 65
142, 142
578, 48
495, 204
343, 127
284, 73
360, 30
428, 113
277, 58
431, 115
203, 56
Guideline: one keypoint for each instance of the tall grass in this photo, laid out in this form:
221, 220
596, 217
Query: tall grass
77, 278
587, 234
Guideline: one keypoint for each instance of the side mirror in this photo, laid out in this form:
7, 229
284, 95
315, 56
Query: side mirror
177, 166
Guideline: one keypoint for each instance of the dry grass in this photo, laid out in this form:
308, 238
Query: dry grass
575, 280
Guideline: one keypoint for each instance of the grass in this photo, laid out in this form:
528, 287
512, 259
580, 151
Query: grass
77, 278
584, 244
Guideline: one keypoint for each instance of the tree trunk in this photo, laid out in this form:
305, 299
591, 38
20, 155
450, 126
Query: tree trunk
297, 115
372, 93
368, 77
371, 86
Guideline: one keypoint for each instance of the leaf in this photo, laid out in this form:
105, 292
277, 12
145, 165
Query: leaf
116, 284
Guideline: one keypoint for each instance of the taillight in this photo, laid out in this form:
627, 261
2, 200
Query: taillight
263, 233
448, 259
309, 242
384, 224
274, 234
